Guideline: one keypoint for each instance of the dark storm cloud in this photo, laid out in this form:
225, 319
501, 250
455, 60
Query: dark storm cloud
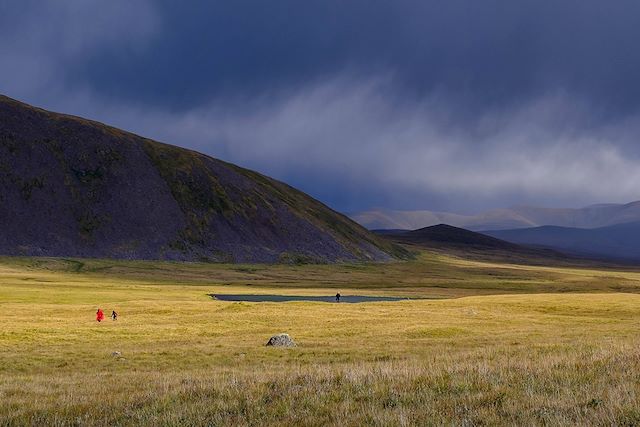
482, 53
400, 104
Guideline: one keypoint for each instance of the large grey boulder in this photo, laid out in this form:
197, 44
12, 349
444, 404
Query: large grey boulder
281, 340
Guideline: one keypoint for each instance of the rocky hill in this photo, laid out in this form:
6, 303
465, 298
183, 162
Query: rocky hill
74, 187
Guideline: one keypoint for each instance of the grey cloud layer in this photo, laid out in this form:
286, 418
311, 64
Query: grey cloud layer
458, 106
347, 134
41, 41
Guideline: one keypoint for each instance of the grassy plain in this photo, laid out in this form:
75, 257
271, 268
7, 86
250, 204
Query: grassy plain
497, 344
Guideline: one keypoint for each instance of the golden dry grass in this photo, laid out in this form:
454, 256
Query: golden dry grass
535, 345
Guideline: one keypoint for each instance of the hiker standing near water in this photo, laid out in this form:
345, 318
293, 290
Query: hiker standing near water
99, 315
338, 297
114, 315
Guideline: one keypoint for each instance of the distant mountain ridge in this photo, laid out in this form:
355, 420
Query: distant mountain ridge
470, 244
594, 216
75, 187
619, 241
444, 234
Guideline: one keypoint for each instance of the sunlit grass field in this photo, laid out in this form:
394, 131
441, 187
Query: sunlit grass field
493, 344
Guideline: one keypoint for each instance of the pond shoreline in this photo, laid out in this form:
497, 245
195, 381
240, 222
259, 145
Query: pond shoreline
349, 299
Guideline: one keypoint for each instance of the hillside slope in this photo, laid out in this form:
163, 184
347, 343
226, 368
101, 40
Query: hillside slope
74, 187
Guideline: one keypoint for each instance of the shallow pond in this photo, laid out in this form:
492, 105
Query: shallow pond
287, 298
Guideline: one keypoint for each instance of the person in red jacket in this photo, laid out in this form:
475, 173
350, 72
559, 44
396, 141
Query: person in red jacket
99, 315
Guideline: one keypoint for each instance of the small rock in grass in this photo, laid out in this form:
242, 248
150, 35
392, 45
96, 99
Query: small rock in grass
281, 340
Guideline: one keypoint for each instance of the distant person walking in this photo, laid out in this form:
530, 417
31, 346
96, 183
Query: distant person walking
99, 315
114, 315
338, 297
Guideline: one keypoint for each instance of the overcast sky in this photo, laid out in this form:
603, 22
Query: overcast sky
455, 105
